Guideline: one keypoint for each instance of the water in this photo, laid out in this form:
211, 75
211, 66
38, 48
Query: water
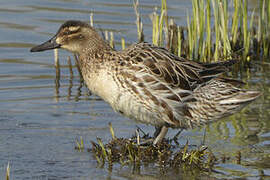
39, 120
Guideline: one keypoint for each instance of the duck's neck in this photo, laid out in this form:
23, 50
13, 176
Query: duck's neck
96, 44
91, 57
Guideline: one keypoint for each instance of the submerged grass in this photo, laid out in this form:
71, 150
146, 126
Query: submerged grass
165, 155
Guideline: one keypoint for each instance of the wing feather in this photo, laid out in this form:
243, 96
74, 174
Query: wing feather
165, 81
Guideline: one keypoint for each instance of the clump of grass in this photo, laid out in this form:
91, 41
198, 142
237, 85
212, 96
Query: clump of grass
160, 25
206, 40
247, 38
165, 155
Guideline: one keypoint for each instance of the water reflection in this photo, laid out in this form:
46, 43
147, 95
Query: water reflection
70, 79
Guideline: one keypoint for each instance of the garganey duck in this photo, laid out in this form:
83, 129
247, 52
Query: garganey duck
149, 84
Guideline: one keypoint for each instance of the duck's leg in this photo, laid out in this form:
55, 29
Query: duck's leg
157, 131
160, 134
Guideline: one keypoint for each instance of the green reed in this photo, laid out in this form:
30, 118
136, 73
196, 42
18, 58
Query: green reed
160, 25
264, 26
179, 41
223, 11
235, 34
208, 30
8, 172
212, 33
138, 21
235, 21
123, 43
80, 144
155, 29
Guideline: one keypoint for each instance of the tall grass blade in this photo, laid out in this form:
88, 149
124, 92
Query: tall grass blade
208, 30
216, 16
8, 172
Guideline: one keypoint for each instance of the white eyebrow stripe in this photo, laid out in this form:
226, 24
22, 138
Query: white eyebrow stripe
73, 28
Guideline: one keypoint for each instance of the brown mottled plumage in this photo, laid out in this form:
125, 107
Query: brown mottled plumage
149, 84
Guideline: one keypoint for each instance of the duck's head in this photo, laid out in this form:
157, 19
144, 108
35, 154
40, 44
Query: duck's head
74, 36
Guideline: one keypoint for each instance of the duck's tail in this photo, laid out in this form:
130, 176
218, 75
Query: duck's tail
243, 97
216, 99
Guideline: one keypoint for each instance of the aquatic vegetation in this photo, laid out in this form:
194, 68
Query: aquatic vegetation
248, 37
164, 155
231, 34
8, 172
80, 144
138, 21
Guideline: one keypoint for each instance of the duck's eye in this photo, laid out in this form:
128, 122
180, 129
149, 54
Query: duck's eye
67, 33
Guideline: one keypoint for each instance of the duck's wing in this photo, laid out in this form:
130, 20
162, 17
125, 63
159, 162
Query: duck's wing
172, 70
162, 81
